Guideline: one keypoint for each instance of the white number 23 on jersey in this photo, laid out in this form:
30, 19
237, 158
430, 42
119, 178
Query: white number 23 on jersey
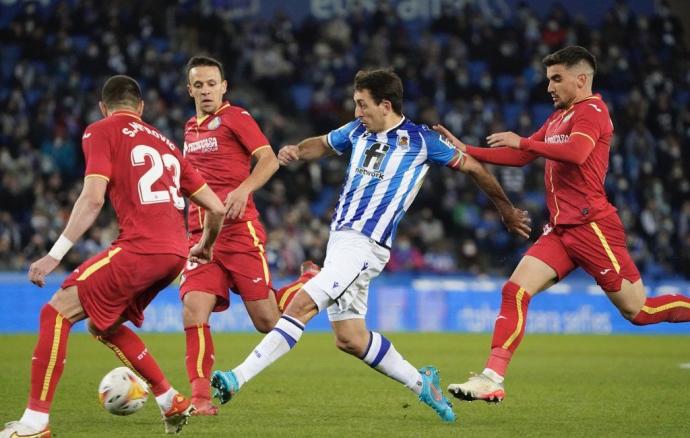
160, 163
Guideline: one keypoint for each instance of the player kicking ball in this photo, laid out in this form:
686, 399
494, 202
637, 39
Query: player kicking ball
390, 158
121, 153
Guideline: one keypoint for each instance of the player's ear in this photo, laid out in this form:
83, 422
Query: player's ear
189, 89
140, 107
103, 108
224, 86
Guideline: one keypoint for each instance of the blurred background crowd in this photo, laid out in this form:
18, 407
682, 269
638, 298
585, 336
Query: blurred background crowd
476, 68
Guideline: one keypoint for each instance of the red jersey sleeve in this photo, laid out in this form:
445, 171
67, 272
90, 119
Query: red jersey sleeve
503, 156
190, 179
583, 137
247, 130
97, 153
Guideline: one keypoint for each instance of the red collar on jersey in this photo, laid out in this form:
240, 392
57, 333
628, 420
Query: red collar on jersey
201, 120
126, 113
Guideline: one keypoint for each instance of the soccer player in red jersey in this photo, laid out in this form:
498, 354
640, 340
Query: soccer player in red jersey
220, 142
584, 229
145, 176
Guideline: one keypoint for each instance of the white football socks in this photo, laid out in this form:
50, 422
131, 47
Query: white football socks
165, 400
272, 347
34, 419
383, 357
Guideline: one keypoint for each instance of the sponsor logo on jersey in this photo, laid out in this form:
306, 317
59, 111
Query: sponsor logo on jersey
446, 142
215, 123
202, 146
568, 117
558, 138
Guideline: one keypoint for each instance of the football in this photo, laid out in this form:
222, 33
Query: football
122, 392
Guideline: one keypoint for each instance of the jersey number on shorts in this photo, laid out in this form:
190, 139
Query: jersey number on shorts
159, 163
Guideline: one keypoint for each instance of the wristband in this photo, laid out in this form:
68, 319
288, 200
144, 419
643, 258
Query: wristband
60, 247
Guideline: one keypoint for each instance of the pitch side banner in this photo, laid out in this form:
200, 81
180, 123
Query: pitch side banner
419, 303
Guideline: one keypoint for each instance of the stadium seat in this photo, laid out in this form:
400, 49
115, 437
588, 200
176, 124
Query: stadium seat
301, 95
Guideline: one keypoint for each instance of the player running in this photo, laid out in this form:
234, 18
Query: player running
584, 229
220, 142
144, 174
390, 158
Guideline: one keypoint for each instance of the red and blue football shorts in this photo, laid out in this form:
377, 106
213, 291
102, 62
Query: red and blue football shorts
239, 263
119, 283
597, 247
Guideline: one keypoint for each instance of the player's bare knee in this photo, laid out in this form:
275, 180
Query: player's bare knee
264, 324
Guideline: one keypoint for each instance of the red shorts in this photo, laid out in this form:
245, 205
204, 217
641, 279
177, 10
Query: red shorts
118, 283
239, 263
597, 247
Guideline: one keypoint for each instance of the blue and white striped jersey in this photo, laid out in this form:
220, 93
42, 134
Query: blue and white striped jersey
385, 173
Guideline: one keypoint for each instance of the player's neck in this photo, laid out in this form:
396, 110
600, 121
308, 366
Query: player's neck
392, 121
583, 96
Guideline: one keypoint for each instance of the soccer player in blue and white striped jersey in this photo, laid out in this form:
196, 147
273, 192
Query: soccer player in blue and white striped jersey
390, 158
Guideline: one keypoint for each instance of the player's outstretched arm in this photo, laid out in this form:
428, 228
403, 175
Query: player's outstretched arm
516, 221
84, 213
266, 165
502, 156
205, 198
312, 148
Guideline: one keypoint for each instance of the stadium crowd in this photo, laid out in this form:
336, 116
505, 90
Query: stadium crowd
477, 70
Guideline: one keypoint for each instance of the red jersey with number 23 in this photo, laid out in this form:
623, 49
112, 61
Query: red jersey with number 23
575, 193
220, 146
147, 176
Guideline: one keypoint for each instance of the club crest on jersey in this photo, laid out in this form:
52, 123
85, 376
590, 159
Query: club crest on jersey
403, 141
215, 123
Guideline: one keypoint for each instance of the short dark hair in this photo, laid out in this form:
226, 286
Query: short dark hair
569, 56
205, 61
382, 84
121, 90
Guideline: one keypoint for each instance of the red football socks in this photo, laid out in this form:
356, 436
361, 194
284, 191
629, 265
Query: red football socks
130, 349
509, 328
48, 360
665, 308
199, 359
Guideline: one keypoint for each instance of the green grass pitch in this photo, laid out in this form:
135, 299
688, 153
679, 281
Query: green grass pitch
589, 386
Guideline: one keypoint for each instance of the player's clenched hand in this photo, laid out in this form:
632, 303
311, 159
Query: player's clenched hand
510, 139
200, 254
40, 268
517, 221
288, 154
453, 139
236, 203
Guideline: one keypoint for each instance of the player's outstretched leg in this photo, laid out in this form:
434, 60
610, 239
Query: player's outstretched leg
379, 353
286, 293
273, 346
130, 349
508, 333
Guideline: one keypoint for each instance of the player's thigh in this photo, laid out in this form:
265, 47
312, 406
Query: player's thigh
209, 282
600, 249
66, 302
545, 263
